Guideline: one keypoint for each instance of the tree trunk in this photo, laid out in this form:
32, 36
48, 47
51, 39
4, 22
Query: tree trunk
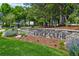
29, 23
65, 19
61, 16
50, 22
60, 19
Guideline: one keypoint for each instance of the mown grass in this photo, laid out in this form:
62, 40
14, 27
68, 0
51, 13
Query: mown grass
10, 47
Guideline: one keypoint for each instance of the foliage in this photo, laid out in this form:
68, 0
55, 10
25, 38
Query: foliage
62, 45
41, 13
19, 12
73, 18
74, 51
1, 33
5, 8
22, 33
9, 19
41, 21
73, 47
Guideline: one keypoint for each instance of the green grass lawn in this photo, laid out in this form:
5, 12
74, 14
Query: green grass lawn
10, 47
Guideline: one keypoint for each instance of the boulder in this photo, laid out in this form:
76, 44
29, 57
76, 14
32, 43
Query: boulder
10, 32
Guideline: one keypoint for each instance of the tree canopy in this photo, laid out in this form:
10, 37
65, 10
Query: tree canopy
41, 13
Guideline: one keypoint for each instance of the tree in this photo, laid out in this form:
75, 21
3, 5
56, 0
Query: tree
74, 16
5, 8
9, 19
52, 13
32, 14
41, 12
44, 13
19, 12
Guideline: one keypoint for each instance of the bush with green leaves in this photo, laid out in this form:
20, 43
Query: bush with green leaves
22, 33
0, 33
62, 45
10, 32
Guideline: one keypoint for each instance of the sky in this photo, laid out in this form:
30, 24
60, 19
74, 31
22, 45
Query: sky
15, 4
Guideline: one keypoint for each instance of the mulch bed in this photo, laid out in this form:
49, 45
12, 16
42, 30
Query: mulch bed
69, 27
50, 42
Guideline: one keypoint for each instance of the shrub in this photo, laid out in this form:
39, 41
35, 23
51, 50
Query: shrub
1, 33
62, 45
74, 48
10, 32
72, 44
22, 33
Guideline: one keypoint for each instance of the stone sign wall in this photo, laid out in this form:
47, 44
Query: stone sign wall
50, 33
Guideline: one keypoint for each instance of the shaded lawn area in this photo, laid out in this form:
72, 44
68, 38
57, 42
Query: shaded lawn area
10, 47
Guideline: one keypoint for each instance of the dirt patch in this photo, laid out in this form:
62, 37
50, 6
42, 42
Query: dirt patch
51, 42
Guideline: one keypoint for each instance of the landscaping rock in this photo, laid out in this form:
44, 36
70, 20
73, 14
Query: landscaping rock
10, 32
